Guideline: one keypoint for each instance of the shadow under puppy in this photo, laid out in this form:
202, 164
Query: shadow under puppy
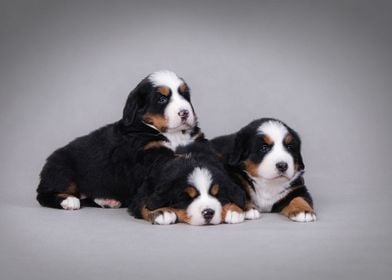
265, 158
193, 188
109, 164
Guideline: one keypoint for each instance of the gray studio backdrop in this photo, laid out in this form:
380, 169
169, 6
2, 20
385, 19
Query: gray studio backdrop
324, 67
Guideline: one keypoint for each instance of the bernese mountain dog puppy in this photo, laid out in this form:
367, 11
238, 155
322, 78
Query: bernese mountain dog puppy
108, 165
192, 188
266, 157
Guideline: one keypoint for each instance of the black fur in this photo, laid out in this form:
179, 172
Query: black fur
246, 144
165, 187
110, 162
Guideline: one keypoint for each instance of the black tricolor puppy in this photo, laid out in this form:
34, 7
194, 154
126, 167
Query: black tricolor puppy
268, 152
109, 164
193, 188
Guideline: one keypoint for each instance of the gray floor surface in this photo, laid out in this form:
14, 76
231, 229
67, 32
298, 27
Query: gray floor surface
349, 241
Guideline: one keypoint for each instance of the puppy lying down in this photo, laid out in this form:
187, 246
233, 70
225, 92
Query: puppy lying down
192, 188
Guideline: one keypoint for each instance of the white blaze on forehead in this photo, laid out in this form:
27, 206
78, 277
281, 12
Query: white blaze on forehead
201, 179
275, 130
166, 78
177, 101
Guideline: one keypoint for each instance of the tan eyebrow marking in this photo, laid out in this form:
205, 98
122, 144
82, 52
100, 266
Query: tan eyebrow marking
288, 139
215, 189
182, 88
191, 191
267, 139
164, 90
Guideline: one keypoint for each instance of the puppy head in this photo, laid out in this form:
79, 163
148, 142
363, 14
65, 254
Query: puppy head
269, 149
161, 100
197, 192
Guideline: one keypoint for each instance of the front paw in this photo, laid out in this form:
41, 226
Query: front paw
304, 216
252, 214
234, 217
165, 218
70, 203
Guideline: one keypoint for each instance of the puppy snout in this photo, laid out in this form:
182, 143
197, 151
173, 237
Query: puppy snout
208, 214
184, 114
282, 166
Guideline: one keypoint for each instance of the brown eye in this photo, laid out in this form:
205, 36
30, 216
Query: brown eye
162, 99
265, 148
191, 192
215, 189
290, 146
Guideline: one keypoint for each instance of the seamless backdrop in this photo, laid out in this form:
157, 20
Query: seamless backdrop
324, 67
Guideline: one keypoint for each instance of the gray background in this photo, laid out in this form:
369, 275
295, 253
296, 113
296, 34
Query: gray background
324, 67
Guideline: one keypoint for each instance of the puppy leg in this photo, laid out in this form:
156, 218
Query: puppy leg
67, 199
298, 210
161, 216
57, 189
232, 214
107, 203
70, 203
251, 213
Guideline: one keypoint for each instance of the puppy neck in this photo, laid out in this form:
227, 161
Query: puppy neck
267, 192
182, 137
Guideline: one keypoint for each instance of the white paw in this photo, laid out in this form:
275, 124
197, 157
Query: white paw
233, 217
252, 214
304, 217
70, 203
166, 218
107, 203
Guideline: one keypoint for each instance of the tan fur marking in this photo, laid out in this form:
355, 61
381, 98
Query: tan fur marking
251, 167
296, 206
267, 140
230, 207
150, 215
72, 190
182, 216
215, 189
153, 145
182, 88
164, 90
288, 139
156, 120
146, 214
191, 191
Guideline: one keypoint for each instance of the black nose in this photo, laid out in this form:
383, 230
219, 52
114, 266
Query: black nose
282, 166
183, 114
208, 214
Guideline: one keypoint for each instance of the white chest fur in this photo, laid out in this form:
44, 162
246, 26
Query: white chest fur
177, 139
268, 192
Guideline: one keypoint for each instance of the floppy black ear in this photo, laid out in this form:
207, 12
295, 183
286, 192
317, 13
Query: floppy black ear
161, 193
301, 165
156, 201
230, 191
240, 149
298, 155
136, 102
236, 195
